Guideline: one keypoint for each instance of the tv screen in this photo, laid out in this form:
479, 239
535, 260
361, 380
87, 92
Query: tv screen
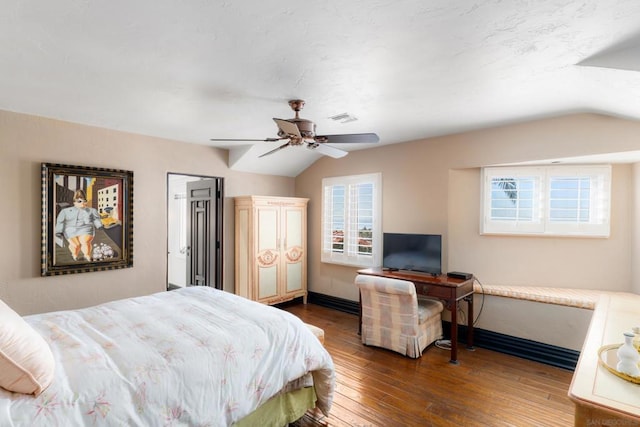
413, 252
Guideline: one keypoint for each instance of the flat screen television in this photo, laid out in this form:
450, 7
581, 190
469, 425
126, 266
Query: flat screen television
412, 252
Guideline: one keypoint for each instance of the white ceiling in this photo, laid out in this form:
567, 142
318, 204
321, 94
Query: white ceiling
408, 70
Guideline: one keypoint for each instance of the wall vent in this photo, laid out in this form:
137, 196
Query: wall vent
344, 118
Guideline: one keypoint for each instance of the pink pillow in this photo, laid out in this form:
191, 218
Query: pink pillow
26, 361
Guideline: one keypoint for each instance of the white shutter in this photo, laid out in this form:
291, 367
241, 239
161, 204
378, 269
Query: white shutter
579, 201
543, 200
513, 201
351, 208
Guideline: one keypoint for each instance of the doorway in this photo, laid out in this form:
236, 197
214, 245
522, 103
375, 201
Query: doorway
194, 230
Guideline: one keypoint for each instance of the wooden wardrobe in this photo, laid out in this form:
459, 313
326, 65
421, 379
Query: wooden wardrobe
271, 248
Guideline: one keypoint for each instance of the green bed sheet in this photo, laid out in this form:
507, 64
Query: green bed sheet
281, 410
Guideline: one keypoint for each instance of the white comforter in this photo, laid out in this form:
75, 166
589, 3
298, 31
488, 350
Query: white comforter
191, 357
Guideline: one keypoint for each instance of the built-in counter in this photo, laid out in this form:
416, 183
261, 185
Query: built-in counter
602, 398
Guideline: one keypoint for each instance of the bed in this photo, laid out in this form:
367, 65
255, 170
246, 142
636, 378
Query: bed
195, 356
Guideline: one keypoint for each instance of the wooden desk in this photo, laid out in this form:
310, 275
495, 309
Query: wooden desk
601, 398
451, 291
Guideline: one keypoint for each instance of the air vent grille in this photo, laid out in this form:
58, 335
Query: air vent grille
344, 118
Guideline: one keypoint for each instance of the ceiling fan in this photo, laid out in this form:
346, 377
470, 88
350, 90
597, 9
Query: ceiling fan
297, 132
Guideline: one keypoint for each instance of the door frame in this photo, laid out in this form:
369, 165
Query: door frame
218, 229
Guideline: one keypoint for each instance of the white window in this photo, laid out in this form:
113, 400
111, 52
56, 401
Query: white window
546, 200
351, 220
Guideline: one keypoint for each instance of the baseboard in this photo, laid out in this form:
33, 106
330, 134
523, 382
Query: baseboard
340, 304
531, 350
527, 349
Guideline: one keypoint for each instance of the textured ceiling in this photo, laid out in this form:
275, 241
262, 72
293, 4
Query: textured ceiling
408, 70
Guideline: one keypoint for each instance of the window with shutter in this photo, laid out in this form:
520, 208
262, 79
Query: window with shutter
351, 225
554, 200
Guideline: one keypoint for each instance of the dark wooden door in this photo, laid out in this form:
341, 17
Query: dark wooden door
204, 228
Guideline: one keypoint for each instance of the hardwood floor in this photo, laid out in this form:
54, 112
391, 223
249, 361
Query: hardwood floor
377, 387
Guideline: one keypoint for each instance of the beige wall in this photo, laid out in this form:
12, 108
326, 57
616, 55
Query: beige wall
429, 186
635, 239
433, 186
586, 263
26, 141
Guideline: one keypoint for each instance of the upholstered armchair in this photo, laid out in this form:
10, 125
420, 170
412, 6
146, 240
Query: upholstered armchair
393, 317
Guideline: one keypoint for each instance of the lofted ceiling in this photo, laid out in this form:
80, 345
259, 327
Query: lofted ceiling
407, 70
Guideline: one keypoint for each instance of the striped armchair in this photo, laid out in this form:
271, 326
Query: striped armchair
393, 317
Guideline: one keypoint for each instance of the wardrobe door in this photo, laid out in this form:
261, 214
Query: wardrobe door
294, 254
267, 251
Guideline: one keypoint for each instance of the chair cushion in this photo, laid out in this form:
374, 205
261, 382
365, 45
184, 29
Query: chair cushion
427, 308
26, 361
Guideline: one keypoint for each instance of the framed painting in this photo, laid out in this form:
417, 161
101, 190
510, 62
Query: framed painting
87, 219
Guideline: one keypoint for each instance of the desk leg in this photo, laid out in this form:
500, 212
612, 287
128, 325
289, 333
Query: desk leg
359, 313
469, 300
454, 332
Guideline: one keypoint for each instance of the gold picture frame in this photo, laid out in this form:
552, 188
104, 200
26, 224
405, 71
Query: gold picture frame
87, 219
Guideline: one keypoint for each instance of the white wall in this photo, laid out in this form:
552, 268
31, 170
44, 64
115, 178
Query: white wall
176, 229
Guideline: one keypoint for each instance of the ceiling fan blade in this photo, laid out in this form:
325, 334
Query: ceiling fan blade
351, 138
287, 127
275, 149
327, 150
232, 140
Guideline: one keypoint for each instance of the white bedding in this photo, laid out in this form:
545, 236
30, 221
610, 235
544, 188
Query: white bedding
193, 357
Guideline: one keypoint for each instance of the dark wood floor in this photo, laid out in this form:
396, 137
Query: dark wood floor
377, 387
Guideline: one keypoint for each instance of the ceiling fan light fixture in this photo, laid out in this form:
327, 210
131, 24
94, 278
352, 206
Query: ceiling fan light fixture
306, 127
